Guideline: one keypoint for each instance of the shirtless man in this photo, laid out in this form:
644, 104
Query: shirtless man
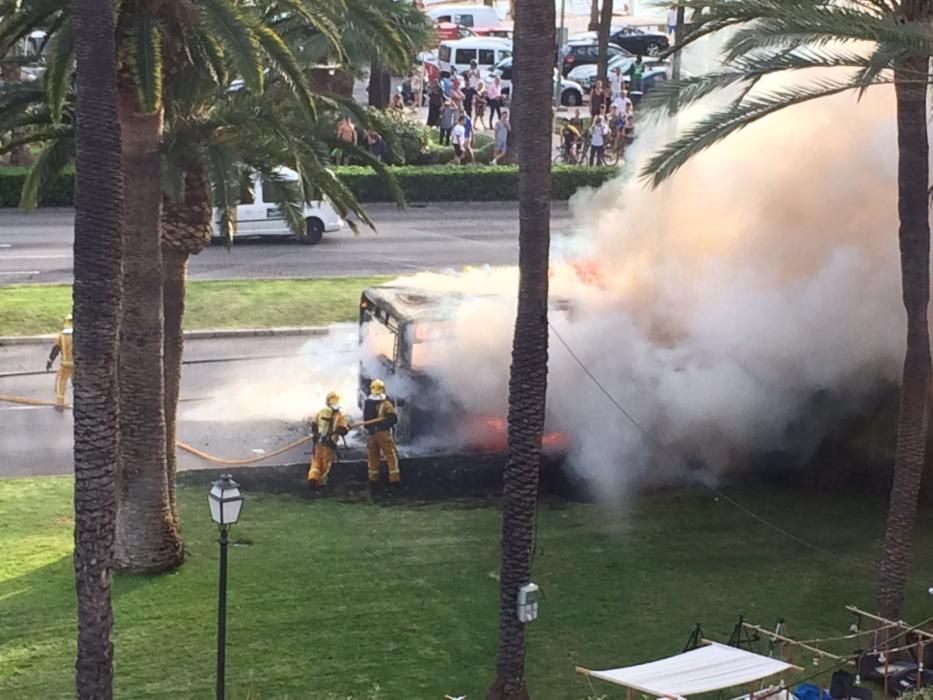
346, 132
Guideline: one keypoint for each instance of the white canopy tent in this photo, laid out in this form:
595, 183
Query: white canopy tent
711, 667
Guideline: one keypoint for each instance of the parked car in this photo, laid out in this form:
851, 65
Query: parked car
498, 32
448, 31
571, 93
259, 215
586, 75
465, 15
581, 52
641, 42
456, 56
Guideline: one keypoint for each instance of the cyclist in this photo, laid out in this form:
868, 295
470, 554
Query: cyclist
570, 137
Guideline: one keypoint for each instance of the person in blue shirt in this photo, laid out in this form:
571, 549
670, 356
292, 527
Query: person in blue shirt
468, 139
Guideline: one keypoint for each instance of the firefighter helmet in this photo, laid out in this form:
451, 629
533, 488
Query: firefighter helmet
377, 386
333, 399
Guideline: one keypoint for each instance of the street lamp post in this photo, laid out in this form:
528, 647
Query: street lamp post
225, 501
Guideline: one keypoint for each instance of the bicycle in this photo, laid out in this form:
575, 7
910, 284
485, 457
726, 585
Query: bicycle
567, 156
610, 156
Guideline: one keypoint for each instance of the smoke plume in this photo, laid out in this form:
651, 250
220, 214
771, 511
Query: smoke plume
712, 308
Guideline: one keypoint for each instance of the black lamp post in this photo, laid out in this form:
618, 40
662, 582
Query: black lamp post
225, 501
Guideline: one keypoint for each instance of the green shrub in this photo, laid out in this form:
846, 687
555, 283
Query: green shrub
406, 139
479, 183
427, 183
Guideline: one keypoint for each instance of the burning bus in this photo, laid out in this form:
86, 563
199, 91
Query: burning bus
403, 331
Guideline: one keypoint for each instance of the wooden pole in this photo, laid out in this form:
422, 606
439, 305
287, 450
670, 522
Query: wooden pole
894, 623
819, 652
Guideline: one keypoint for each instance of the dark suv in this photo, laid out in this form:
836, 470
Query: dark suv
583, 52
639, 41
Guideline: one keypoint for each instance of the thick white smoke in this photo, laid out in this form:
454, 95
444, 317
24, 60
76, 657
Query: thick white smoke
715, 307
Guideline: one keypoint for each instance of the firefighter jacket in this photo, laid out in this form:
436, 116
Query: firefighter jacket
379, 407
65, 344
328, 425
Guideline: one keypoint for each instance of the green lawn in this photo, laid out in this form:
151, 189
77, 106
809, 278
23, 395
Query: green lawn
343, 600
37, 309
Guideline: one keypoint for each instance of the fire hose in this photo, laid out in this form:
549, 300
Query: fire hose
193, 450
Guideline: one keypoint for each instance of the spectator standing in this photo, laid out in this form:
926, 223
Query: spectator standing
472, 73
637, 72
459, 139
407, 96
446, 85
598, 133
503, 130
615, 82
448, 119
376, 145
494, 99
346, 133
468, 143
416, 89
469, 95
623, 104
435, 102
456, 95
479, 103
597, 99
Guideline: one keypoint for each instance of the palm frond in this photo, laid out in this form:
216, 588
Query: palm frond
59, 70
288, 195
23, 18
146, 63
32, 137
718, 125
54, 157
210, 52
235, 33
225, 181
286, 66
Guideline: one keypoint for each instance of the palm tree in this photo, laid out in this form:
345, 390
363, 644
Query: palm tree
97, 291
154, 40
880, 42
533, 67
215, 141
382, 35
605, 24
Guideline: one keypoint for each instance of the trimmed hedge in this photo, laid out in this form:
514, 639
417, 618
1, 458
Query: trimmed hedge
439, 183
431, 183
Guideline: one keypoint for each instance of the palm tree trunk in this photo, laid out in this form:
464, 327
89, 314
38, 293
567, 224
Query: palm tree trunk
913, 185
594, 16
534, 47
605, 23
380, 86
147, 539
97, 290
186, 231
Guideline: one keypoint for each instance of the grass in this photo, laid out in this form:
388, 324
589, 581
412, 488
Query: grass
340, 600
37, 309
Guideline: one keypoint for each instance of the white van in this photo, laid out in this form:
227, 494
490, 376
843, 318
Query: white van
465, 15
260, 215
456, 56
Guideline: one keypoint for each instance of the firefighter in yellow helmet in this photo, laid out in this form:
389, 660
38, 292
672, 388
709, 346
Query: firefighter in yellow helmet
326, 427
64, 346
379, 417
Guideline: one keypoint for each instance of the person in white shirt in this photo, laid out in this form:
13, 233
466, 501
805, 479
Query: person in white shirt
598, 134
615, 82
494, 99
458, 138
623, 103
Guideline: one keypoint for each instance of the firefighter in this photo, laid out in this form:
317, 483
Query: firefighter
64, 346
326, 427
379, 417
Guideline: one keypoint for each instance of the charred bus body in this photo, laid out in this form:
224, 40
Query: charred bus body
398, 326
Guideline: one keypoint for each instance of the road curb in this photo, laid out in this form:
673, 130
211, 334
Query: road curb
283, 331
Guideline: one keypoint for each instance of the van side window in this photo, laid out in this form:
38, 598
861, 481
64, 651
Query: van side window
444, 54
444, 18
487, 57
247, 194
465, 56
465, 20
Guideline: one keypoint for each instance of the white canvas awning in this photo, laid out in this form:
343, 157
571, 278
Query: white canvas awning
711, 667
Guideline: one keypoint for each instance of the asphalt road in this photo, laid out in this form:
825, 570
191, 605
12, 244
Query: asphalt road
239, 397
36, 247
